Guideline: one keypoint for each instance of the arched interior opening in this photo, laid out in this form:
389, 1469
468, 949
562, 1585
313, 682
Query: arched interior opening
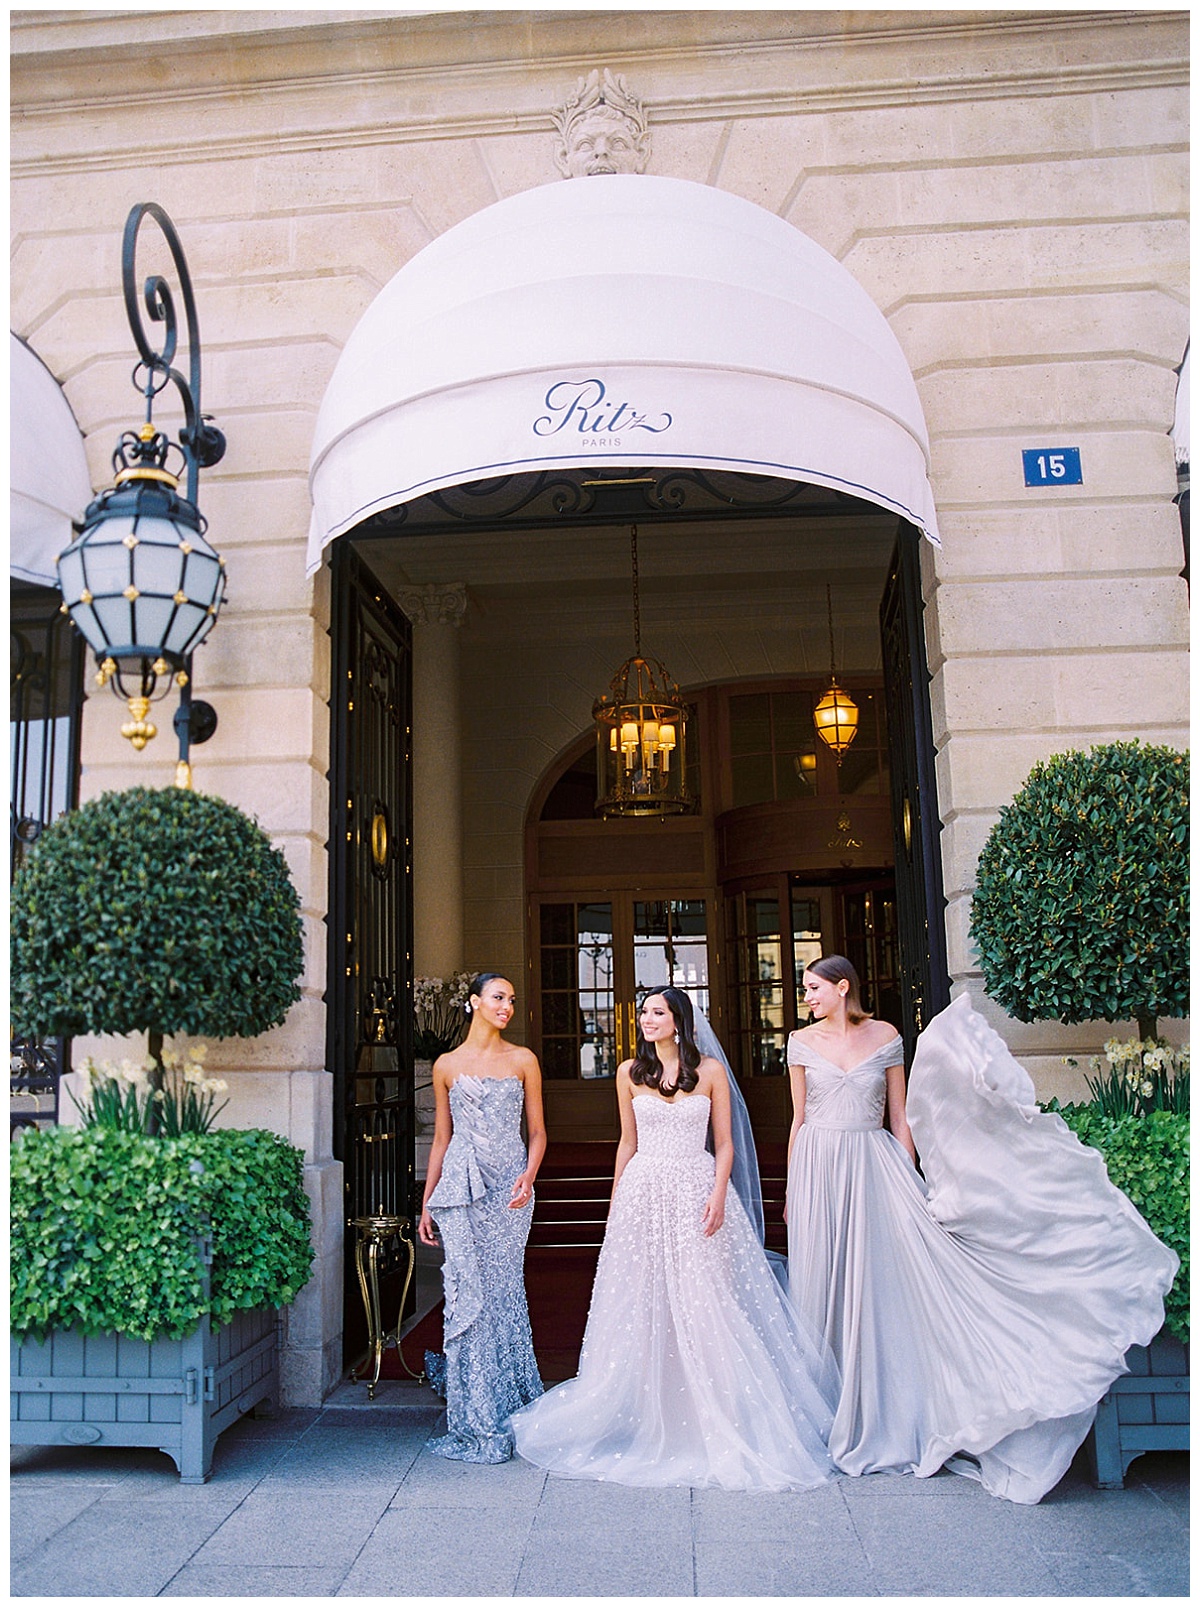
788, 855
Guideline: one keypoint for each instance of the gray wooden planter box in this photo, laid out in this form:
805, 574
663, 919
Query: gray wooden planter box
1146, 1410
176, 1395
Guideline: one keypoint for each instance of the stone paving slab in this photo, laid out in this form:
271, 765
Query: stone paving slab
346, 1501
198, 1579
440, 1554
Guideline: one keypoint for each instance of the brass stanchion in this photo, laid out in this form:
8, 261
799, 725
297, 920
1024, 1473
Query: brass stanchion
374, 1232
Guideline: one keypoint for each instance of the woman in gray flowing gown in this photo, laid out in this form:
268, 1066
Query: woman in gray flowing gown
479, 1193
977, 1314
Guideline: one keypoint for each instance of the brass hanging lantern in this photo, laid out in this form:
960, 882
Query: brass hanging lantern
836, 715
641, 734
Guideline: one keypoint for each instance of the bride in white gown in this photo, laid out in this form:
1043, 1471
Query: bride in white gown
696, 1369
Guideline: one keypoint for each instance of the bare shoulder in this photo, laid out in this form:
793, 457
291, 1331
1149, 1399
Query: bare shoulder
711, 1073
445, 1066
883, 1033
524, 1062
623, 1070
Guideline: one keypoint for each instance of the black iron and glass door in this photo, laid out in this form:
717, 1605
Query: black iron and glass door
45, 709
924, 983
369, 994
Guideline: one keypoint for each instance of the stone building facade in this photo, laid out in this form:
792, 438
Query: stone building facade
1009, 189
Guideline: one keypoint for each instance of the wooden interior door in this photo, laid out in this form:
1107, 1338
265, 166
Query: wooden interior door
593, 958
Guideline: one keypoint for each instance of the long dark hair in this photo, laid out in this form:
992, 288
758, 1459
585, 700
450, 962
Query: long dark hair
647, 1068
837, 968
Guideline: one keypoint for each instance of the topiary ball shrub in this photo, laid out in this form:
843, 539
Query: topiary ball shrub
1080, 910
160, 911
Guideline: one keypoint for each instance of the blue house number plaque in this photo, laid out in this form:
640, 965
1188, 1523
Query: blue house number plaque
1058, 465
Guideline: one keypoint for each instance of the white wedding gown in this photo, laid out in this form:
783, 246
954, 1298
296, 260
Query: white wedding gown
986, 1309
695, 1369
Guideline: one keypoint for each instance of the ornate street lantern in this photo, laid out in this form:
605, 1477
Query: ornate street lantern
836, 715
140, 581
641, 734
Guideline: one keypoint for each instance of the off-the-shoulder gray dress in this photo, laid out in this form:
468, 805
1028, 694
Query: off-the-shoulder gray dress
979, 1313
487, 1369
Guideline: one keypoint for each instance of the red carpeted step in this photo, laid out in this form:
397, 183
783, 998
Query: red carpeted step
571, 1199
772, 1166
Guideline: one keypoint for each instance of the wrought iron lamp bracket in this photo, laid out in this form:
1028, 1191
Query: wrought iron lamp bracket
203, 442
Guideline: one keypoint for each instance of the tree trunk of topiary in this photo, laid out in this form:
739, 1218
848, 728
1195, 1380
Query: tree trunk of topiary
154, 1044
1147, 1027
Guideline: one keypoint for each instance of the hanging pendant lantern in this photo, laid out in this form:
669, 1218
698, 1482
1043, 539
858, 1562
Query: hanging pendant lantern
836, 715
641, 734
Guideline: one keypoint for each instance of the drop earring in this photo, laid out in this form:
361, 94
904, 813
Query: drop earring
676, 1037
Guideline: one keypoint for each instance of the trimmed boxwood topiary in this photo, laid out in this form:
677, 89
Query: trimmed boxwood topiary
104, 1227
1080, 910
162, 911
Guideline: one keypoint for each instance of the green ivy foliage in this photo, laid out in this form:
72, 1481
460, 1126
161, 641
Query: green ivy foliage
1080, 911
262, 1249
1148, 1158
104, 1227
154, 910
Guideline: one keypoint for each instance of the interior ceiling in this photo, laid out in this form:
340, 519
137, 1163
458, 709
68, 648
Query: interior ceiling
747, 556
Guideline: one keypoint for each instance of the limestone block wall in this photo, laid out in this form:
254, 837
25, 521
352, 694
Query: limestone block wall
1008, 186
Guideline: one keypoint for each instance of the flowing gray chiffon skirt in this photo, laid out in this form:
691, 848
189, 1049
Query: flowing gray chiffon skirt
978, 1316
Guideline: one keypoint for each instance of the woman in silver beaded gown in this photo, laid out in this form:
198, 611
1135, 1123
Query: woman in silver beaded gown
696, 1369
479, 1193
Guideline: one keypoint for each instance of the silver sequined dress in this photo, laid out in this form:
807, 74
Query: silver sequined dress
488, 1369
695, 1369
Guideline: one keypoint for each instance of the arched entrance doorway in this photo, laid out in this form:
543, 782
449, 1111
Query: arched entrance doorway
788, 855
563, 363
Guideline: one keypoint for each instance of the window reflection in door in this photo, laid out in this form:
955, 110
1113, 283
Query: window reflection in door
670, 947
806, 943
578, 1038
596, 958
769, 962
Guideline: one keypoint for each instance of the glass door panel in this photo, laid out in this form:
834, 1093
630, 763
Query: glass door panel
869, 919
807, 941
670, 947
596, 958
577, 1015
759, 982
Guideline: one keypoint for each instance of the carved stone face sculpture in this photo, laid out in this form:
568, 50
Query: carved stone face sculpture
602, 129
601, 142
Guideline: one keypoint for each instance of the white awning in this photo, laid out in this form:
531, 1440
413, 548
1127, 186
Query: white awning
627, 321
49, 484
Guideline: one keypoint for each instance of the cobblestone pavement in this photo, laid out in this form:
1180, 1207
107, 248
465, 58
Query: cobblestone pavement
345, 1501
